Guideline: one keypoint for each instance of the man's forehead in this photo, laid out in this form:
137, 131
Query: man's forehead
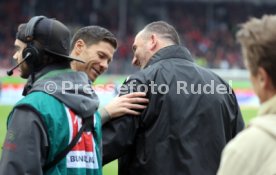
139, 35
104, 48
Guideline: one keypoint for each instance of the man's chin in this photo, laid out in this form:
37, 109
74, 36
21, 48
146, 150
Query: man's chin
92, 77
24, 76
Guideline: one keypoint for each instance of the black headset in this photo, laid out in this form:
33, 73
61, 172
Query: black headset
33, 50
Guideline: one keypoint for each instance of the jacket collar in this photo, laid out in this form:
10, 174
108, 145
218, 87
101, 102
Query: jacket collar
173, 51
268, 107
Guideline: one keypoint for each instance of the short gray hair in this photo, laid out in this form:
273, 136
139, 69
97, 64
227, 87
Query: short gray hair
164, 30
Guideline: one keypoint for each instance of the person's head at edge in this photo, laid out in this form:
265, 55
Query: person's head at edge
95, 46
50, 38
151, 39
258, 40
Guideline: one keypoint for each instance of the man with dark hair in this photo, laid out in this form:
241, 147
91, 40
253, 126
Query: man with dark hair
184, 129
95, 46
253, 150
49, 118
92, 35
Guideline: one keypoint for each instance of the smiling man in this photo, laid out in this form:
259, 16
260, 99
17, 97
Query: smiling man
178, 133
96, 46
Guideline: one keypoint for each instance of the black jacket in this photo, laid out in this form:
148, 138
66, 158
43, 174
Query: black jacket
180, 132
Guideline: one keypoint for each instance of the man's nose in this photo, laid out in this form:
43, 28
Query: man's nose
104, 65
14, 56
134, 61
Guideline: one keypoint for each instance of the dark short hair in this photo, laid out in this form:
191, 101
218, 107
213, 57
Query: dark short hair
165, 30
92, 35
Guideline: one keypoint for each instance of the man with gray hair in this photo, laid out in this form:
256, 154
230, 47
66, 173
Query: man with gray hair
253, 150
178, 133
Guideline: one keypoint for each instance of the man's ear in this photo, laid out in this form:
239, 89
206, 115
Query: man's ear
264, 79
153, 42
79, 47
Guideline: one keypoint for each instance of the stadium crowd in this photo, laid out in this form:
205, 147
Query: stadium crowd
206, 29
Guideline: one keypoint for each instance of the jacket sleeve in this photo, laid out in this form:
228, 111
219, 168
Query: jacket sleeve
118, 137
238, 122
24, 150
119, 133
